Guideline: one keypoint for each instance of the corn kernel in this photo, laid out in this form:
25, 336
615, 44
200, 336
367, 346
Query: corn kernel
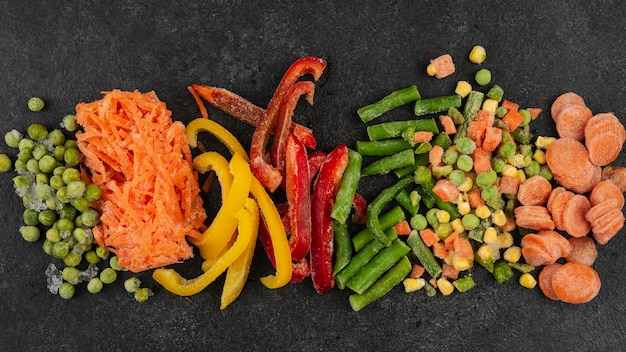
412, 285
458, 199
505, 240
443, 216
466, 185
527, 280
457, 225
430, 70
516, 160
510, 224
478, 54
544, 142
521, 175
491, 235
512, 254
490, 105
445, 287
449, 259
540, 156
464, 208
461, 264
498, 217
482, 211
509, 170
463, 88
485, 252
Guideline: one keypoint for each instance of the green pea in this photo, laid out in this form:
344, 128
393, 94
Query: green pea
486, 179
465, 145
527, 117
78, 221
142, 294
47, 217
490, 193
82, 236
108, 275
60, 249
25, 154
72, 157
69, 123
41, 179
132, 284
37, 131
31, 217
21, 182
58, 153
81, 204
90, 217
470, 221
20, 166
441, 170
465, 162
70, 174
532, 169
501, 111
59, 170
70, 143
91, 257
483, 77
47, 164
418, 222
62, 195
68, 212
12, 138
66, 290
113, 263
431, 216
52, 203
5, 163
103, 252
56, 137
32, 166
56, 182
92, 193
70, 274
75, 189
44, 192
35, 104
507, 150
72, 259
457, 177
497, 164
449, 156
30, 233
26, 143
53, 235
64, 225
47, 246
39, 151
94, 285
443, 230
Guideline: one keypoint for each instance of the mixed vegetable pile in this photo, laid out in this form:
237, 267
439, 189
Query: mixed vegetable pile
474, 188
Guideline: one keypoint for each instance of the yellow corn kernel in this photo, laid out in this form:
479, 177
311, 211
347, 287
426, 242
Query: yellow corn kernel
510, 224
516, 160
512, 254
505, 240
430, 70
466, 185
527, 280
463, 88
544, 142
540, 156
445, 287
491, 235
521, 175
478, 54
461, 264
485, 252
482, 211
509, 170
412, 285
449, 259
457, 225
458, 199
464, 208
490, 105
443, 216
498, 217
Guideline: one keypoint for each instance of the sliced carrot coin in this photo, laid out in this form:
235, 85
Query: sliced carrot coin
604, 148
534, 191
576, 283
569, 162
558, 205
539, 250
545, 281
563, 100
606, 190
584, 250
571, 121
533, 217
604, 123
562, 247
555, 192
600, 209
573, 216
596, 176
616, 175
535, 256
607, 226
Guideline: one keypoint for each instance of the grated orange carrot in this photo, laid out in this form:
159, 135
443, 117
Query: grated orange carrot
140, 159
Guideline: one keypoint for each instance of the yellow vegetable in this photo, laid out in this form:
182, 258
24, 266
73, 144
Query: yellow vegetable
482, 211
512, 254
445, 287
478, 54
430, 70
527, 280
205, 125
490, 105
463, 88
412, 285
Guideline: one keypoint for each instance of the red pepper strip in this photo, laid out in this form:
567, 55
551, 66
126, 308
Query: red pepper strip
301, 270
285, 114
299, 197
267, 174
304, 134
359, 204
315, 162
324, 192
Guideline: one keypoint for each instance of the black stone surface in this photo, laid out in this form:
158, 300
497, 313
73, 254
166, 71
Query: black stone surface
69, 51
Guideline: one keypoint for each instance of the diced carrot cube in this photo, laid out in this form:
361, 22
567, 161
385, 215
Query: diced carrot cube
534, 112
449, 241
484, 115
429, 236
402, 228
463, 248
513, 119
435, 155
493, 138
474, 198
476, 131
508, 184
439, 250
448, 125
444, 66
422, 136
509, 105
482, 160
446, 190
448, 271
417, 271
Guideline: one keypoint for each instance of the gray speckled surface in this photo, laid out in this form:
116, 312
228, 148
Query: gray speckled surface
69, 51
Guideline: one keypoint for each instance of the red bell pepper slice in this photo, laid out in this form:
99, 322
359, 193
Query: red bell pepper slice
315, 162
300, 270
359, 204
283, 124
267, 174
324, 192
298, 196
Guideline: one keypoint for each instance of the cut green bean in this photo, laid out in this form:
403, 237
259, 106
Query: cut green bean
373, 210
424, 254
464, 284
362, 257
394, 129
347, 188
409, 201
382, 147
343, 246
395, 99
502, 271
436, 104
389, 163
495, 92
478, 232
443, 140
473, 104
456, 115
387, 220
382, 286
375, 268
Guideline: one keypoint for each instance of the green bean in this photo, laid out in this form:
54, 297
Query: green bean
502, 271
381, 147
443, 140
347, 188
343, 246
387, 220
456, 115
436, 104
66, 290
428, 198
386, 164
383, 261
495, 92
464, 284
94, 285
391, 101
375, 207
472, 105
409, 201
382, 286
394, 129
69, 123
35, 104
522, 267
430, 290
407, 170
424, 254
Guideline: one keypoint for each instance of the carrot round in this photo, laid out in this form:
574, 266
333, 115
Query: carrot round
576, 283
534, 217
569, 162
534, 191
616, 175
604, 123
595, 173
571, 121
584, 250
608, 225
545, 281
564, 100
606, 190
555, 192
573, 216
604, 148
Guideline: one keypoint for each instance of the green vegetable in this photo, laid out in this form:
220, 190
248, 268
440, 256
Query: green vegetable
383, 261
91, 257
456, 116
486, 179
69, 123
108, 275
12, 138
409, 201
381, 147
389, 163
142, 294
436, 104
387, 220
132, 284
94, 285
391, 101
75, 189
477, 233
470, 221
483, 77
70, 274
93, 193
90, 217
502, 271
30, 233
5, 163
47, 217
394, 129
457, 177
39, 151
30, 217
66, 290
464, 284
103, 252
56, 137
343, 246
347, 188
47, 163
60, 249
72, 157
418, 222
53, 235
382, 286
423, 254
496, 93
376, 206
35, 104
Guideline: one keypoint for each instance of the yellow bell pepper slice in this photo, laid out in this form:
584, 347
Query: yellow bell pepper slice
213, 161
205, 125
275, 227
238, 271
222, 228
173, 282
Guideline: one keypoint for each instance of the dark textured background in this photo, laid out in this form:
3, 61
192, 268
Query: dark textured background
67, 52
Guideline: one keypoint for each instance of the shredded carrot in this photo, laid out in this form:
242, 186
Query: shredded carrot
201, 107
140, 159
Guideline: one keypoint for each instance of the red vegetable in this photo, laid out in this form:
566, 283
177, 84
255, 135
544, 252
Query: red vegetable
298, 187
324, 192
